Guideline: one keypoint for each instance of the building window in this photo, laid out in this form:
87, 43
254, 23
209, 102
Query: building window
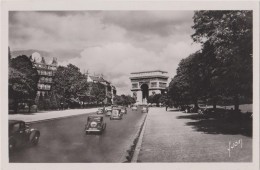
153, 84
163, 85
134, 85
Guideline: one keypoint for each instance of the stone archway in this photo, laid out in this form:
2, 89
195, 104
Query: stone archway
145, 92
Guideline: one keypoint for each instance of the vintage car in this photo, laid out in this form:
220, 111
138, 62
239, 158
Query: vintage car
21, 134
134, 108
108, 113
109, 109
116, 114
95, 124
100, 111
123, 110
145, 109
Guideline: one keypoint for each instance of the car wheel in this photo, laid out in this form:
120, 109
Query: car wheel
35, 139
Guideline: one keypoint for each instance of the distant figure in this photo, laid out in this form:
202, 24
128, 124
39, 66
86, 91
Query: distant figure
166, 107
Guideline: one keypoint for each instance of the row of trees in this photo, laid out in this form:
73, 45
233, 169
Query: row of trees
124, 100
70, 87
221, 72
158, 98
70, 83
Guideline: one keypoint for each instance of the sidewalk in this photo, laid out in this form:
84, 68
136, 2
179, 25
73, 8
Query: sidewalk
174, 136
46, 115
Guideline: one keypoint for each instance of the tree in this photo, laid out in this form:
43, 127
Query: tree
54, 104
69, 82
98, 92
230, 33
118, 100
187, 86
164, 99
23, 79
82, 89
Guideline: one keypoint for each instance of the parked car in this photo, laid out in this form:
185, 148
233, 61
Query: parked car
21, 134
201, 109
116, 114
194, 109
95, 124
100, 111
134, 108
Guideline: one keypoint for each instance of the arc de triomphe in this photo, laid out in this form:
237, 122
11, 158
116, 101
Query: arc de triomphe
147, 83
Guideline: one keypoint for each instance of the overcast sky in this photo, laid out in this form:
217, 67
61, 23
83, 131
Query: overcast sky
114, 43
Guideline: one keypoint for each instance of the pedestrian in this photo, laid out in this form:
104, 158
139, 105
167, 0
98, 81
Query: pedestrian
166, 107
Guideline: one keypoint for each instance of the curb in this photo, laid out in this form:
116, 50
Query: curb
139, 142
131, 150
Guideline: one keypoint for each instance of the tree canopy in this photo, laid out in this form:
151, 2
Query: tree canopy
124, 100
23, 79
222, 69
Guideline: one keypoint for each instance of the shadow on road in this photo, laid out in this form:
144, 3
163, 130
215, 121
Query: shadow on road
219, 126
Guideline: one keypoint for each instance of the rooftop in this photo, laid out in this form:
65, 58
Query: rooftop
98, 78
149, 74
149, 71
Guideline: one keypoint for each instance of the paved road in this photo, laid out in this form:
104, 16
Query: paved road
64, 140
174, 136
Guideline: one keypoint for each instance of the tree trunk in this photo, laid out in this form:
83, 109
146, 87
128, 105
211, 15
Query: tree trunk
214, 104
236, 103
196, 104
15, 106
29, 110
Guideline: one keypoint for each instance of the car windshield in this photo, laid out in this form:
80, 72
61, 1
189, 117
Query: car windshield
96, 119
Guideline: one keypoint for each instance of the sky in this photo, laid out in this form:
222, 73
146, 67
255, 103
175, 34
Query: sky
112, 43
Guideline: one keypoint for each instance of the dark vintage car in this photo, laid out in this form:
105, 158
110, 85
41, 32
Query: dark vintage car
95, 124
116, 114
21, 134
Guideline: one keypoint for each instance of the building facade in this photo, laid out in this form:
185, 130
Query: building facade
109, 88
147, 83
46, 73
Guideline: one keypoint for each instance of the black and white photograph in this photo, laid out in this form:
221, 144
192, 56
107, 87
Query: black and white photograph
146, 85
